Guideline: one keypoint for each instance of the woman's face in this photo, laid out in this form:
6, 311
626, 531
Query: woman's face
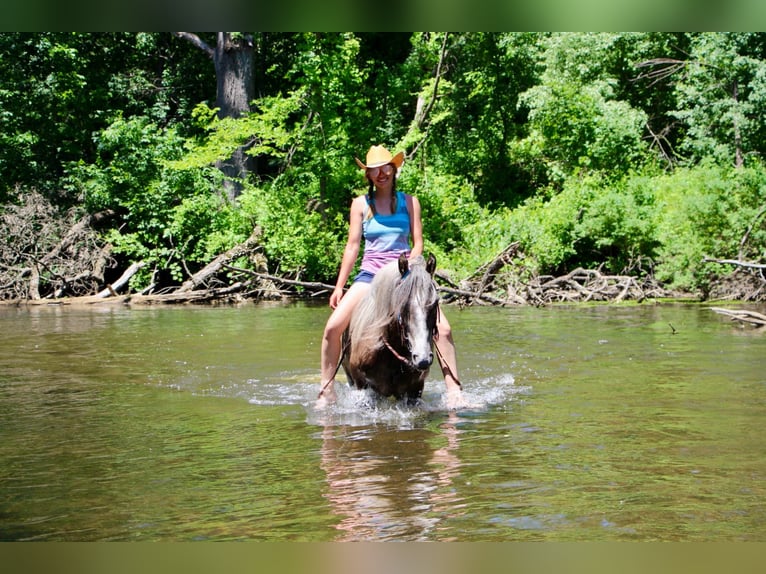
381, 176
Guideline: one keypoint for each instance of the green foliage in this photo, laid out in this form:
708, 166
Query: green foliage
268, 131
551, 139
705, 212
169, 217
300, 237
722, 97
593, 222
447, 202
58, 89
473, 127
579, 127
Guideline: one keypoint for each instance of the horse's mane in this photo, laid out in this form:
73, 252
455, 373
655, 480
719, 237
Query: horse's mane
387, 299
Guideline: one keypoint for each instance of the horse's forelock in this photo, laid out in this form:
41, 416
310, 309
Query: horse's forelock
392, 295
416, 287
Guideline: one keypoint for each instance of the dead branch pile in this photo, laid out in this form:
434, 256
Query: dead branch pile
500, 282
747, 282
46, 258
582, 285
43, 261
46, 253
49, 256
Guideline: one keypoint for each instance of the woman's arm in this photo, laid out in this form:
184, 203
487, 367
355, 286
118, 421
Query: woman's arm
416, 226
351, 251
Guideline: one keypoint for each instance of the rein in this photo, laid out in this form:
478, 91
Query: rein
394, 352
442, 363
404, 360
337, 368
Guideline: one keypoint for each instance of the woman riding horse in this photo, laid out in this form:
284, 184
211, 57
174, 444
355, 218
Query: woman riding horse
388, 220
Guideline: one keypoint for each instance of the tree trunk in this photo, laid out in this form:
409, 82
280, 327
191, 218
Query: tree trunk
233, 58
739, 160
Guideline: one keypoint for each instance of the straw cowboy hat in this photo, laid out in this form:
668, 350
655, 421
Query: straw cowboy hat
378, 155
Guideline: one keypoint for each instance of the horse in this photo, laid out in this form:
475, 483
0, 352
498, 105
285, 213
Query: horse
388, 343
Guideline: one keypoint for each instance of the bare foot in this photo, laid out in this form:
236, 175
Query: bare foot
455, 399
326, 397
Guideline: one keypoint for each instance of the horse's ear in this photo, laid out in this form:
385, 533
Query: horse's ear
431, 264
404, 265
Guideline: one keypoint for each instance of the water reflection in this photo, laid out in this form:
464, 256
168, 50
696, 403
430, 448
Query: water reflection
392, 484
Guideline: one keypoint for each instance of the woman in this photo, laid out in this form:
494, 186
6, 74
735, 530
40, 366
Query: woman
388, 220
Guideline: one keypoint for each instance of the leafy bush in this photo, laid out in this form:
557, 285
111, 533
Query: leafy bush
299, 234
170, 218
591, 223
705, 211
615, 226
447, 202
579, 127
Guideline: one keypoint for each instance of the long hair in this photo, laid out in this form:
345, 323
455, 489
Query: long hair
371, 195
389, 295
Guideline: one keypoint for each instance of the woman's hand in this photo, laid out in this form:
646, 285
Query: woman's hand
336, 296
326, 397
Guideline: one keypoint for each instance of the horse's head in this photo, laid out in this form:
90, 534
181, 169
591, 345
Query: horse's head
417, 306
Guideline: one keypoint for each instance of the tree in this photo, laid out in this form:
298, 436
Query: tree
576, 122
477, 117
720, 90
232, 58
59, 89
722, 97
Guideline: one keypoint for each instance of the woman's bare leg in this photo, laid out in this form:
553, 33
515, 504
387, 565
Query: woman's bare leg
448, 360
331, 340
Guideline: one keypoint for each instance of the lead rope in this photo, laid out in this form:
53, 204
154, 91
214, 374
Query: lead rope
445, 367
440, 357
396, 354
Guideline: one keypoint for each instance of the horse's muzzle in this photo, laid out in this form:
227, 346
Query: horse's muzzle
422, 363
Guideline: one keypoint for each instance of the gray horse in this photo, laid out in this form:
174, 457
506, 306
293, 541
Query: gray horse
388, 344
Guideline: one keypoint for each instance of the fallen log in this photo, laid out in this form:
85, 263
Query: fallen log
230, 293
738, 263
247, 247
310, 285
111, 289
742, 315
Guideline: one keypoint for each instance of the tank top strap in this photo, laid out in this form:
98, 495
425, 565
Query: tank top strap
401, 201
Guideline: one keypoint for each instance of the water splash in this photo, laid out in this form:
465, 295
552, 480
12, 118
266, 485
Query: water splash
355, 407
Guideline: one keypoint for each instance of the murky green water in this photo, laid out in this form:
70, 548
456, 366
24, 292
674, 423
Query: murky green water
594, 423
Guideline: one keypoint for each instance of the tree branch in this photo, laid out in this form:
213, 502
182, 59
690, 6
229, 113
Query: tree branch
746, 236
422, 112
429, 107
197, 41
735, 262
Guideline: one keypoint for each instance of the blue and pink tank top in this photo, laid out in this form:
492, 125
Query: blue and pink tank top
385, 236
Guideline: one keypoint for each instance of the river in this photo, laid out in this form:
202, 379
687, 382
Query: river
598, 423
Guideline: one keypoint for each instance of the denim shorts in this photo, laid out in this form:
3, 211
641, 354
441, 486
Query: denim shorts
364, 277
